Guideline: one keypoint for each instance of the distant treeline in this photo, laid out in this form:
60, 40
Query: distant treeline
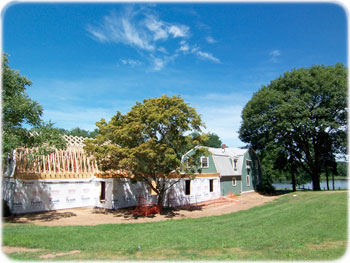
79, 132
302, 177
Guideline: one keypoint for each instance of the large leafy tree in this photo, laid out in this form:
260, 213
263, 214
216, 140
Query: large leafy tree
302, 116
21, 117
207, 139
148, 142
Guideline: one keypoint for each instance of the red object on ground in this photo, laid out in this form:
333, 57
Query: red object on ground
146, 210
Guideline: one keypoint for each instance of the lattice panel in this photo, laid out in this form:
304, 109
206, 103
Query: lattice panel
74, 140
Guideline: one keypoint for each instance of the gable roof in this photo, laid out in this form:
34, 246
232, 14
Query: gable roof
230, 152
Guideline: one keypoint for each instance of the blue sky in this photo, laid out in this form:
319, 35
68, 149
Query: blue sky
87, 61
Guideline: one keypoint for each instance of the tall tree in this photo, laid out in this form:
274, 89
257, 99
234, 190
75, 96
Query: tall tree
207, 139
21, 117
148, 142
302, 113
213, 141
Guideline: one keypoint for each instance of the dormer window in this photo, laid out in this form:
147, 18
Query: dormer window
204, 162
235, 164
248, 164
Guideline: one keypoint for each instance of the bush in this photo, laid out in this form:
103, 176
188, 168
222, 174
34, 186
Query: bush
266, 187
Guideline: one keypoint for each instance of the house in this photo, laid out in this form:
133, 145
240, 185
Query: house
70, 178
239, 168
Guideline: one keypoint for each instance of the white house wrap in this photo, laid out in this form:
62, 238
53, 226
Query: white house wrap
70, 179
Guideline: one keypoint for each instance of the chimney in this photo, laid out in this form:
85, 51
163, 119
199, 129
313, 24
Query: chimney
223, 146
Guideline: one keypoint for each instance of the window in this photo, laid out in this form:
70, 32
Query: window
187, 187
248, 163
211, 185
235, 164
248, 180
234, 182
204, 162
103, 192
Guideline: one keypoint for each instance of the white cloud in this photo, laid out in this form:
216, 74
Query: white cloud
158, 64
184, 47
116, 29
207, 56
210, 40
135, 37
178, 31
143, 30
157, 27
163, 50
131, 62
274, 54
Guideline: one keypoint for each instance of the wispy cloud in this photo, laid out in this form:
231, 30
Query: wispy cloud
210, 40
131, 62
143, 30
208, 56
274, 54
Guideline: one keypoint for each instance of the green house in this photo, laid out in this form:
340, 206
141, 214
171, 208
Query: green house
239, 168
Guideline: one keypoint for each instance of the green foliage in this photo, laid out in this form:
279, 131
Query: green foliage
19, 113
211, 140
148, 142
342, 169
80, 132
308, 226
204, 139
301, 117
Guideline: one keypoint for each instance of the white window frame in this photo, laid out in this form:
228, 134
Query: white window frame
247, 180
234, 162
248, 163
207, 158
234, 180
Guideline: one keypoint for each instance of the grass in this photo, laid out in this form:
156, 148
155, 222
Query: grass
309, 226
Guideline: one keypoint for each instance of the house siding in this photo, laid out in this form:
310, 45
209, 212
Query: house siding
227, 187
210, 169
254, 174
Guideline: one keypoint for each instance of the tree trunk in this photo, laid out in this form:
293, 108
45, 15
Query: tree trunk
327, 178
160, 199
333, 181
293, 180
316, 182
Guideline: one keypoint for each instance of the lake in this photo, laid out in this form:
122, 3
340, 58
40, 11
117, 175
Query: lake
339, 184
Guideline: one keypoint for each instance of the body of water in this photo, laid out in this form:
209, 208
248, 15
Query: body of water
338, 184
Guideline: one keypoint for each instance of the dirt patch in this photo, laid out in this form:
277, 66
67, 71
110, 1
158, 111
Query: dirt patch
49, 256
95, 216
329, 244
11, 250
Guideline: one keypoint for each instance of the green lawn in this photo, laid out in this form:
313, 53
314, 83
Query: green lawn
310, 226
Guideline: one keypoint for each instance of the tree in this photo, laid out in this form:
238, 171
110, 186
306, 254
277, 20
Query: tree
213, 141
303, 114
79, 132
207, 139
148, 142
21, 117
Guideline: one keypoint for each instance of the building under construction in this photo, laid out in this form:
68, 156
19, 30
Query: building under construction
70, 178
